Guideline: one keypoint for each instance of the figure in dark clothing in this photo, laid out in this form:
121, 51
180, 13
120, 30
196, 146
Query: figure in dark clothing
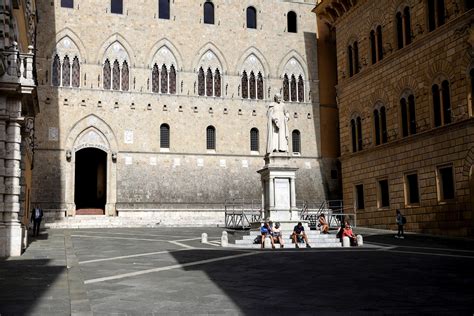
36, 217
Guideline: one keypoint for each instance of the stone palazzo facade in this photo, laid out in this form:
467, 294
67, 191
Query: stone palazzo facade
405, 72
18, 107
159, 109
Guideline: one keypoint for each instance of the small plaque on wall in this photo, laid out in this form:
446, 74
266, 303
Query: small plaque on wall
128, 160
128, 137
53, 134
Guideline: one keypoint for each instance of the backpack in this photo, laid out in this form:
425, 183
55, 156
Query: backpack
404, 220
258, 239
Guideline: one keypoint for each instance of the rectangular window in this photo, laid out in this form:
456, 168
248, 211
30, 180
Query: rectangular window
360, 205
383, 196
67, 3
412, 195
116, 6
164, 9
445, 181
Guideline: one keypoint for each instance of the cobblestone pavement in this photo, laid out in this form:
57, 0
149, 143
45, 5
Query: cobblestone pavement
167, 271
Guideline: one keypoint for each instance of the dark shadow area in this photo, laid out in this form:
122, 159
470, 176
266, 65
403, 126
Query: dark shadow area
31, 239
354, 282
90, 180
26, 288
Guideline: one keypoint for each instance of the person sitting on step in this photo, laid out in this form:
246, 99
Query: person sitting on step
323, 224
265, 231
299, 235
347, 231
276, 235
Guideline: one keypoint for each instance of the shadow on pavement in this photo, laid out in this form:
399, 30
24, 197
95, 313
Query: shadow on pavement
26, 287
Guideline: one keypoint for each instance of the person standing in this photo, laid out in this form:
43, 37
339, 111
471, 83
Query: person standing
36, 217
400, 223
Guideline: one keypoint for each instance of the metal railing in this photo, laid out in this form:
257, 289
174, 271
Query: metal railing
334, 211
240, 213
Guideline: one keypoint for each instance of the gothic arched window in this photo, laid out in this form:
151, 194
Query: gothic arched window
356, 133
76, 73
210, 138
116, 76
66, 73
164, 79
209, 82
254, 139
408, 115
296, 141
172, 80
293, 88
286, 88
291, 19
251, 18
155, 79
164, 136
380, 125
56, 72
217, 83
300, 89
164, 9
403, 27
106, 75
260, 86
125, 77
245, 87
208, 12
441, 103
201, 85
436, 14
252, 86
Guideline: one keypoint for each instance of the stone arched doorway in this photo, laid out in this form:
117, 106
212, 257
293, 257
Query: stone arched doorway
90, 184
91, 172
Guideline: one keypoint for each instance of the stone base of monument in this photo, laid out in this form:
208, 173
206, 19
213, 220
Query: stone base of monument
315, 238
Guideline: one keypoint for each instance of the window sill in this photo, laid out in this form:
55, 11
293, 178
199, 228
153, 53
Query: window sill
255, 153
164, 150
211, 151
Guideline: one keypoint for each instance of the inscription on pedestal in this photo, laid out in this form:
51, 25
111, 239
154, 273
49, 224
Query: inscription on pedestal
282, 193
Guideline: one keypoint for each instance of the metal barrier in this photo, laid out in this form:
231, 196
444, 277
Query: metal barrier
333, 209
240, 213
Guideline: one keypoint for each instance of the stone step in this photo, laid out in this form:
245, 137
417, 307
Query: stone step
290, 246
252, 237
311, 241
288, 232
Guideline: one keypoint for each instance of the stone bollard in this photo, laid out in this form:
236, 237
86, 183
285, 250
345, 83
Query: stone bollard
204, 238
346, 242
268, 242
360, 240
224, 239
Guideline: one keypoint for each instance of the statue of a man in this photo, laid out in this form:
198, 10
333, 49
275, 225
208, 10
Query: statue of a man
277, 131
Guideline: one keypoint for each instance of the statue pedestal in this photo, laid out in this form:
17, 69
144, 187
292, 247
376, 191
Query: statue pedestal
279, 194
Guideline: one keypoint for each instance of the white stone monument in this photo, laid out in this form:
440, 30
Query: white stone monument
278, 176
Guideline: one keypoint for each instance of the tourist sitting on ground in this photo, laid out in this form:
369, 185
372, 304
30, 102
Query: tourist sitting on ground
347, 231
299, 235
266, 231
276, 235
323, 224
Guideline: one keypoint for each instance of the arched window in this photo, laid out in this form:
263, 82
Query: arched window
164, 9
380, 125
164, 136
125, 77
67, 3
251, 18
408, 115
76, 73
353, 58
373, 47
403, 27
296, 141
252, 86
293, 88
209, 82
245, 85
210, 138
201, 85
106, 74
164, 79
208, 12
436, 14
116, 6
56, 72
291, 22
379, 43
286, 88
471, 96
155, 79
300, 89
172, 80
260, 86
468, 4
66, 73
254, 139
356, 133
116, 76
217, 83
441, 103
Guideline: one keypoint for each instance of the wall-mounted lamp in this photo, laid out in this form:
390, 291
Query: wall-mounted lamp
114, 156
68, 155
